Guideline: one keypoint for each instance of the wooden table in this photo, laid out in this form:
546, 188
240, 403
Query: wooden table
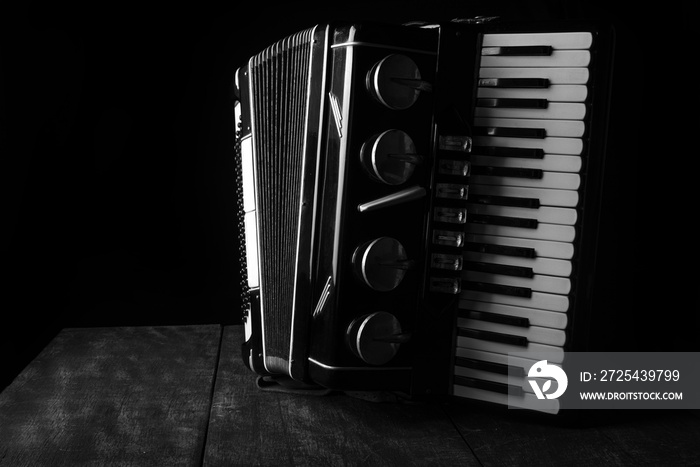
180, 395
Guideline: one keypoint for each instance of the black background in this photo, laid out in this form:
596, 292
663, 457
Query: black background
118, 204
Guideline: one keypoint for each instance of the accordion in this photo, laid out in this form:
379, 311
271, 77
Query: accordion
418, 201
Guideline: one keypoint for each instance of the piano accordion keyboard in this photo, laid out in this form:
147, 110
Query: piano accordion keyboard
530, 124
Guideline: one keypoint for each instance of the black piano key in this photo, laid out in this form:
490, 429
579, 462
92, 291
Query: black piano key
498, 368
488, 385
504, 269
495, 318
512, 103
505, 250
524, 292
516, 172
530, 83
538, 133
498, 151
532, 203
518, 51
491, 336
522, 222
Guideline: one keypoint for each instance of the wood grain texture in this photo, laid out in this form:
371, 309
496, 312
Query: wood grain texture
657, 438
499, 437
606, 437
134, 396
166, 396
253, 427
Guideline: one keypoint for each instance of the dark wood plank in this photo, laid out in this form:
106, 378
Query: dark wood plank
657, 438
499, 437
253, 427
609, 437
134, 396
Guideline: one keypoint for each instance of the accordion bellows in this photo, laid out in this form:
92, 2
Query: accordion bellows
280, 80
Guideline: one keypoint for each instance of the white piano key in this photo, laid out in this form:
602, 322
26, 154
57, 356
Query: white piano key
251, 243
554, 111
538, 283
553, 180
558, 40
554, 353
560, 128
554, 75
548, 266
542, 318
547, 197
554, 93
543, 249
525, 401
546, 214
550, 232
558, 59
534, 334
538, 300
553, 162
549, 145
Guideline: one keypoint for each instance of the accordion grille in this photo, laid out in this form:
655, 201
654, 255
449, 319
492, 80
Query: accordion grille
279, 77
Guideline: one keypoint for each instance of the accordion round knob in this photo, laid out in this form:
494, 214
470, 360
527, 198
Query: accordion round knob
396, 82
390, 157
375, 337
381, 263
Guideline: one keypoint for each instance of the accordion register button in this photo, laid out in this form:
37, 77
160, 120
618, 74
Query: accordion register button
448, 285
448, 238
390, 157
381, 264
396, 82
452, 191
453, 167
446, 261
450, 215
459, 143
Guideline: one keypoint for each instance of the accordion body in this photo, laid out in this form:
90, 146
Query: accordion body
417, 201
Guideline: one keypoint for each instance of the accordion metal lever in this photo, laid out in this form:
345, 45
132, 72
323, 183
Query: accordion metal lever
403, 196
